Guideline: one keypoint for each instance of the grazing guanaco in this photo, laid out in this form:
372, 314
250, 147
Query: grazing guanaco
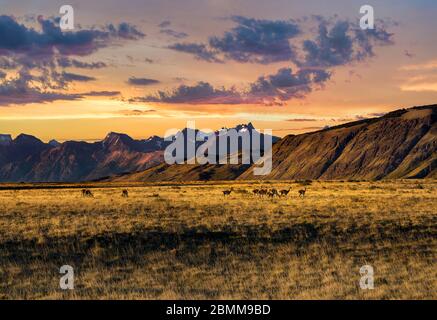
227, 192
272, 193
263, 192
87, 193
302, 192
125, 193
285, 192
275, 192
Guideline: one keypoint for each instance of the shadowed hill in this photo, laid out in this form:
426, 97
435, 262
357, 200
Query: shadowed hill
401, 144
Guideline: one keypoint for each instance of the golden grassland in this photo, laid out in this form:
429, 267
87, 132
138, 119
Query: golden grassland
187, 241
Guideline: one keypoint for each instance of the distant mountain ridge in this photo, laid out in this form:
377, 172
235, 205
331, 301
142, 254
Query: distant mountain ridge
400, 144
28, 159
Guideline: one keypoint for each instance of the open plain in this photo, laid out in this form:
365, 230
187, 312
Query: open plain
190, 241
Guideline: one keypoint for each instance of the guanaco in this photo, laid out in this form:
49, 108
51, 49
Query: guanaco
284, 192
302, 192
227, 192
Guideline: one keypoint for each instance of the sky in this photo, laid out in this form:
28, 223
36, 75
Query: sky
144, 67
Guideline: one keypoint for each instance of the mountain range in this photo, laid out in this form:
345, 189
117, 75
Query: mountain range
28, 159
400, 144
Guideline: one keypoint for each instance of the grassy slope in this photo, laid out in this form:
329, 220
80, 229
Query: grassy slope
187, 241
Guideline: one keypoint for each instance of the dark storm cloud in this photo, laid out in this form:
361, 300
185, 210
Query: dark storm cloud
142, 81
268, 90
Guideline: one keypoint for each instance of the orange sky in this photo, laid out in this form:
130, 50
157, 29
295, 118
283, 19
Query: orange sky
400, 75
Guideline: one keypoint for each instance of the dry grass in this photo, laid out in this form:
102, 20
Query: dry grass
187, 241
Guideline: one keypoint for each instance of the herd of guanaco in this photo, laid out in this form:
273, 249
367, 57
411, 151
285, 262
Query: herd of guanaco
271, 193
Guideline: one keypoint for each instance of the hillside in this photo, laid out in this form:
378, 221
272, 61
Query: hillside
401, 144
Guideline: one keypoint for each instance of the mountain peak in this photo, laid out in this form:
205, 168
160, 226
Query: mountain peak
5, 139
54, 143
115, 137
113, 134
25, 138
245, 127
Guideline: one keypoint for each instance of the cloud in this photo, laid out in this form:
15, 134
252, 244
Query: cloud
125, 30
335, 43
285, 85
251, 40
200, 51
7, 63
66, 63
41, 46
200, 93
39, 57
266, 90
101, 94
174, 34
165, 29
359, 117
164, 24
430, 65
142, 81
136, 112
17, 38
67, 76
301, 120
19, 90
342, 42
